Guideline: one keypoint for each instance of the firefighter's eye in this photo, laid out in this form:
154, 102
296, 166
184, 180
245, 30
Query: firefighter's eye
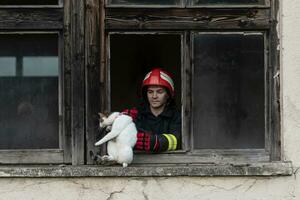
160, 91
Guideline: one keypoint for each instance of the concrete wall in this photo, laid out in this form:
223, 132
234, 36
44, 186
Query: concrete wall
260, 188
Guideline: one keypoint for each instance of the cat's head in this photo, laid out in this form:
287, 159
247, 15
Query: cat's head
102, 119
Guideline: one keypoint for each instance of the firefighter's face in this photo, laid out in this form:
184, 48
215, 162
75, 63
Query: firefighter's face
157, 96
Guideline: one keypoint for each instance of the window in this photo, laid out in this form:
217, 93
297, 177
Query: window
228, 88
61, 62
29, 91
33, 125
223, 60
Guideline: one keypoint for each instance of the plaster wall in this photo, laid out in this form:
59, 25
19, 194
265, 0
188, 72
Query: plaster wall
225, 188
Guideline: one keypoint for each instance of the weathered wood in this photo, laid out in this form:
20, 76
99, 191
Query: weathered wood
205, 156
183, 19
274, 120
186, 75
104, 60
31, 18
41, 156
78, 81
66, 77
228, 3
104, 49
92, 62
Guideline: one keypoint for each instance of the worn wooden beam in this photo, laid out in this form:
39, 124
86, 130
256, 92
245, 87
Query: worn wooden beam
183, 19
66, 82
31, 18
274, 120
77, 64
186, 74
92, 71
23, 156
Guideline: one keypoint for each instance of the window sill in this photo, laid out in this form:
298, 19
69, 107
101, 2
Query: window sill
200, 170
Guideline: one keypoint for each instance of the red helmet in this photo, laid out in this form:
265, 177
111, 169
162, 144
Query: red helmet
159, 77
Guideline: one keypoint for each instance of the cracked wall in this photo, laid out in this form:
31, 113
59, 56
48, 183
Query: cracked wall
245, 188
150, 188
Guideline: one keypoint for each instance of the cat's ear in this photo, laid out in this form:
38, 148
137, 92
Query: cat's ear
101, 115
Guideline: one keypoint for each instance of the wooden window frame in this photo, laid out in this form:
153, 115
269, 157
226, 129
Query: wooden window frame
84, 25
40, 20
217, 19
190, 4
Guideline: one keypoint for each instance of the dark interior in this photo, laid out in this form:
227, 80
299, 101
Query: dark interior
133, 56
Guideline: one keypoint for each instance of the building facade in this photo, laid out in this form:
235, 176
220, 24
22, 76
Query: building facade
228, 56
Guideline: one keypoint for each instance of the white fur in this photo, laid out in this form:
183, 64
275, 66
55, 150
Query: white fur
121, 139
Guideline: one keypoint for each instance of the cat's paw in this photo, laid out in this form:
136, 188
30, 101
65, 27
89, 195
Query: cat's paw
107, 158
108, 128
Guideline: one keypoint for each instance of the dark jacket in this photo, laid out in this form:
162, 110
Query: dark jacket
165, 126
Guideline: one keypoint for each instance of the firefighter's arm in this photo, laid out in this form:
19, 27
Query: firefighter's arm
151, 142
172, 140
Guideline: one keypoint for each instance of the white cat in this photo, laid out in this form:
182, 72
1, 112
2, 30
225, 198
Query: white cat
121, 138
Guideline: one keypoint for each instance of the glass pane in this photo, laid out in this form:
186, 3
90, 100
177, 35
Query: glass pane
29, 2
237, 2
29, 67
7, 66
145, 2
32, 66
228, 91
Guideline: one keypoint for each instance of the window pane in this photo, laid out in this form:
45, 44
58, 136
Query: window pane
7, 66
29, 91
238, 2
28, 2
145, 2
32, 66
228, 91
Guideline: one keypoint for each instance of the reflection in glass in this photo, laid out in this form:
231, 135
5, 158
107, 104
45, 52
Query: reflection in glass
40, 66
7, 66
29, 91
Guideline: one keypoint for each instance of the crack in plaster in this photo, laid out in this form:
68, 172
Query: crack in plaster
111, 194
220, 187
295, 172
145, 195
251, 186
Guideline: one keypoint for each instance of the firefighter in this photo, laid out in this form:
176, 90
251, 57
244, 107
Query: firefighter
158, 120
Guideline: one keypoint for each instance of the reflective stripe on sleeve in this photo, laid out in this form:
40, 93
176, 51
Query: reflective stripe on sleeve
172, 142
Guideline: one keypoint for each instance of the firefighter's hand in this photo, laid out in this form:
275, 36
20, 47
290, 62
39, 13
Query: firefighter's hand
147, 142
